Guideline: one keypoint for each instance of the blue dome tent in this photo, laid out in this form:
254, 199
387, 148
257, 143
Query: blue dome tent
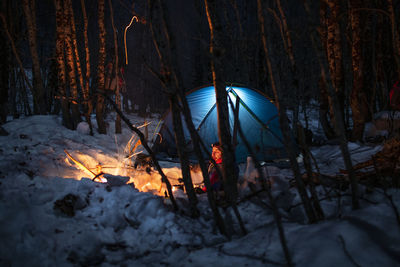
258, 118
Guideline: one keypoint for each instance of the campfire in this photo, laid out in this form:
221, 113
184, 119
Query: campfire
123, 168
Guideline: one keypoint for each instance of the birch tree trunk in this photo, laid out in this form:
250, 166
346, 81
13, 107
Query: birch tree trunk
358, 100
75, 43
334, 53
38, 88
69, 57
283, 120
86, 88
76, 55
61, 73
323, 99
101, 69
116, 71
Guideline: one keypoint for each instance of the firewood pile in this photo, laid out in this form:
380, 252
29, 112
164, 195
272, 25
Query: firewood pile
382, 165
383, 169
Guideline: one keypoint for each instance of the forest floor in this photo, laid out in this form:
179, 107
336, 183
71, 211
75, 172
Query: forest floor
53, 214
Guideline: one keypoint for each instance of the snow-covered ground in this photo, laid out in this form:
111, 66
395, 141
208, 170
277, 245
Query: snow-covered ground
135, 226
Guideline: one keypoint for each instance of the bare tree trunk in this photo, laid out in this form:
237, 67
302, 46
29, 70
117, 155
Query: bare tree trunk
395, 36
299, 130
334, 52
324, 100
283, 120
18, 59
161, 38
23, 93
69, 57
324, 110
218, 44
117, 71
181, 148
217, 51
287, 40
194, 135
339, 124
196, 140
85, 89
62, 76
38, 88
277, 216
77, 59
358, 100
5, 71
101, 69
308, 166
75, 43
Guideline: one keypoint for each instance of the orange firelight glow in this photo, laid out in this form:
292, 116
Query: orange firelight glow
126, 28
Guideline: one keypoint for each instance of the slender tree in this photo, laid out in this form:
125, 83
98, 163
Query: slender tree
358, 100
75, 43
275, 210
334, 52
88, 103
101, 69
335, 106
62, 75
38, 87
334, 47
283, 121
70, 60
217, 51
218, 45
323, 96
17, 75
4, 75
5, 70
395, 36
116, 71
161, 37
194, 135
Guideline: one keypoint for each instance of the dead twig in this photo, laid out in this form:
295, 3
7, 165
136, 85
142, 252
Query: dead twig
343, 243
252, 257
146, 147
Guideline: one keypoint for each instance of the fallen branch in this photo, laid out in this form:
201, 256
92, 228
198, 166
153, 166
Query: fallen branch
80, 165
252, 257
146, 147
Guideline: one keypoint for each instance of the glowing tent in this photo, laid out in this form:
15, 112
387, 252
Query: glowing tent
258, 118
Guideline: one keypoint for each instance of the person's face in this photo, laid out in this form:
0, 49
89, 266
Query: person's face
216, 153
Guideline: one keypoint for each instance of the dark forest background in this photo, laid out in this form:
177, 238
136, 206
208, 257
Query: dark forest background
358, 39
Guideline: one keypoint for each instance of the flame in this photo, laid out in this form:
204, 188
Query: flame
94, 166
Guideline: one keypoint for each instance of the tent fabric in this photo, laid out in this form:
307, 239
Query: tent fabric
258, 118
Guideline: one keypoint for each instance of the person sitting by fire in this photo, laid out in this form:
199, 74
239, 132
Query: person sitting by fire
213, 173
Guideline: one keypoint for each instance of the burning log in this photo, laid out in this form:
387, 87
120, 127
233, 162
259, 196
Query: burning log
86, 169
